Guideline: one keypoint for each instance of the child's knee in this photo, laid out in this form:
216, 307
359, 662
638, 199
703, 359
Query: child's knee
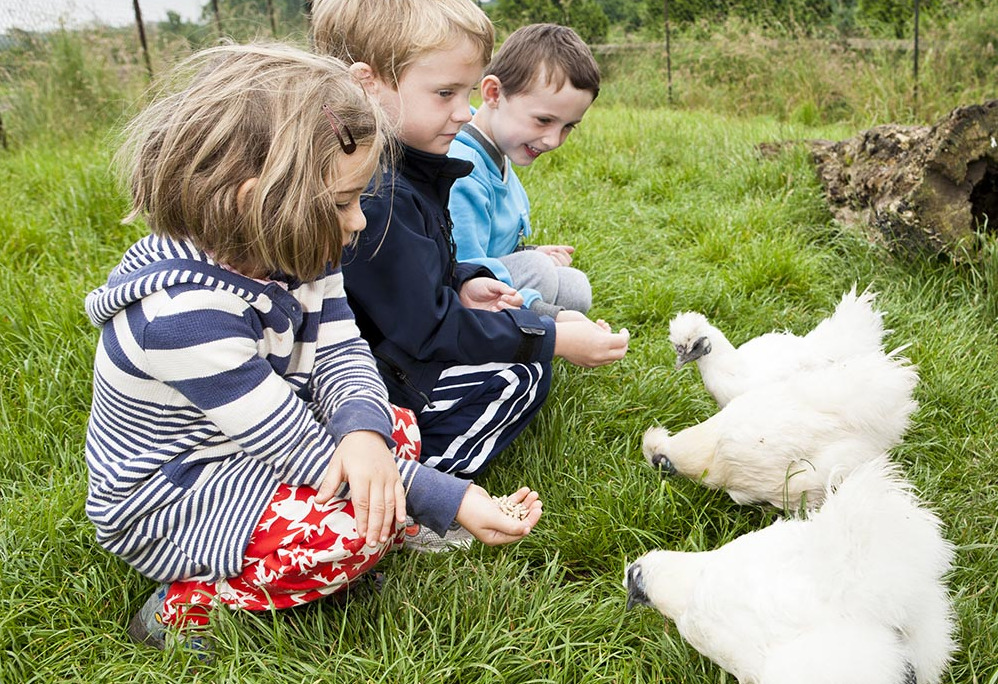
574, 290
542, 275
405, 432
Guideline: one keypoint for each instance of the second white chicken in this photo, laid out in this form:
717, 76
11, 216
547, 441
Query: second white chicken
854, 594
785, 441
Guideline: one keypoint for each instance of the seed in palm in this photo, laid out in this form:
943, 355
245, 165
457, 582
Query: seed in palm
513, 510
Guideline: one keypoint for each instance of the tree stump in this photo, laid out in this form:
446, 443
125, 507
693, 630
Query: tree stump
918, 189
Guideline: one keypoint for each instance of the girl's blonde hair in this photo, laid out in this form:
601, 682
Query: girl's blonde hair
252, 112
389, 35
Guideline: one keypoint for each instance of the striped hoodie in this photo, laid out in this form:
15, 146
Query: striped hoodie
209, 390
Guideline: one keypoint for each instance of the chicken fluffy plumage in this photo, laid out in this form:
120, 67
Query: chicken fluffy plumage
852, 593
855, 327
783, 442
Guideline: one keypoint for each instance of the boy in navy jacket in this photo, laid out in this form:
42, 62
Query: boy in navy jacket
451, 341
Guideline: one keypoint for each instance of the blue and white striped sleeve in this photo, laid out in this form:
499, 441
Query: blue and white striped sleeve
345, 382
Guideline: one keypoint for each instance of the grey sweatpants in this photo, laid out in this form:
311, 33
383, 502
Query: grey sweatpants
559, 285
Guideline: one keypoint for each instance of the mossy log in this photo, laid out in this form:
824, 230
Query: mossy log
918, 189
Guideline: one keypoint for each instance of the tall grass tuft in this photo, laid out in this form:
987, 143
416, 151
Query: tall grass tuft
66, 84
740, 69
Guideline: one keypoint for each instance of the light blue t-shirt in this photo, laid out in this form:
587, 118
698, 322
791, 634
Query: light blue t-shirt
490, 211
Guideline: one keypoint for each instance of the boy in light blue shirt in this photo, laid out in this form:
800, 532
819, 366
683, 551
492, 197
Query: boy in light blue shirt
535, 91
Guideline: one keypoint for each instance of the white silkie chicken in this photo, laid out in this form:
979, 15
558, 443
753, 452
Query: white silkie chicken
853, 594
855, 327
785, 441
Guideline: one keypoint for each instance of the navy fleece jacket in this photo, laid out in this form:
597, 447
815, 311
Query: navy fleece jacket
403, 282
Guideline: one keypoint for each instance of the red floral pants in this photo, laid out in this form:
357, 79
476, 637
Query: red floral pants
300, 551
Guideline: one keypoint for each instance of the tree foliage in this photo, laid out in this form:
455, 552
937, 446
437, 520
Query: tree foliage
586, 17
592, 18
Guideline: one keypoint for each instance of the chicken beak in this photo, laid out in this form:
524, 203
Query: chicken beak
693, 352
664, 465
634, 584
684, 356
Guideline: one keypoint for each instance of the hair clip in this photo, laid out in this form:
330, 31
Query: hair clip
349, 146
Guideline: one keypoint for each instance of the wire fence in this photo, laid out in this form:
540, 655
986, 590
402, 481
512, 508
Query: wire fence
36, 17
135, 40
255, 18
157, 30
128, 35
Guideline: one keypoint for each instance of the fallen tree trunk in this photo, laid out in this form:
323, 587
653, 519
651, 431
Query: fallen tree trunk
918, 189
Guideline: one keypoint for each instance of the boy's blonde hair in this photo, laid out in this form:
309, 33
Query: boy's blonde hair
389, 35
556, 51
251, 112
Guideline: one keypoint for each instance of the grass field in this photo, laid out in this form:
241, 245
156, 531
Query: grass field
669, 211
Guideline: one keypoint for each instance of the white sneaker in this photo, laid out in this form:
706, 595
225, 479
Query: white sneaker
422, 539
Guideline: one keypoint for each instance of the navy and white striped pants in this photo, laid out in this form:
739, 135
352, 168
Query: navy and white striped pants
477, 411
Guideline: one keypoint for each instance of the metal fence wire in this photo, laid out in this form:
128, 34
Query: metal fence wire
137, 40
132, 35
246, 19
240, 20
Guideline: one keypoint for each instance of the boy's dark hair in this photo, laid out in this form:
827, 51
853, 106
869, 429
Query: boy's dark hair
555, 51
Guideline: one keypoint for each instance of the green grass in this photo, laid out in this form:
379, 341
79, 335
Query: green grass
669, 211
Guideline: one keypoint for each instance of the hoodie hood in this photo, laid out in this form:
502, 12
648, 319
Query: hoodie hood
155, 263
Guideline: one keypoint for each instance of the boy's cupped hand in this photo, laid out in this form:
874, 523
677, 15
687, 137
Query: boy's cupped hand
363, 460
489, 294
481, 515
561, 255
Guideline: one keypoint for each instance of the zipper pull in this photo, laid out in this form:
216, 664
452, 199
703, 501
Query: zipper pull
404, 379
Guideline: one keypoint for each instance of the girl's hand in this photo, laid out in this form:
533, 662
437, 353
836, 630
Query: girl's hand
489, 294
481, 515
561, 255
363, 460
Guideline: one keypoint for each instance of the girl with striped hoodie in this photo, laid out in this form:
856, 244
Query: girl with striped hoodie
241, 447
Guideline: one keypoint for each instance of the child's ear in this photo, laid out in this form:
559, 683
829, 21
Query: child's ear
242, 194
491, 90
366, 76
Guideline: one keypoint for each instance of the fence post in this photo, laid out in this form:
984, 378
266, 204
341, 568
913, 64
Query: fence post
142, 36
668, 52
915, 69
273, 21
218, 17
3, 133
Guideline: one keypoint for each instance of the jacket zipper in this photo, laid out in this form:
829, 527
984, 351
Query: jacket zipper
402, 377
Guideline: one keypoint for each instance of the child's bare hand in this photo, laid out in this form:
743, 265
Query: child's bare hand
560, 254
480, 514
589, 344
566, 315
489, 294
363, 460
